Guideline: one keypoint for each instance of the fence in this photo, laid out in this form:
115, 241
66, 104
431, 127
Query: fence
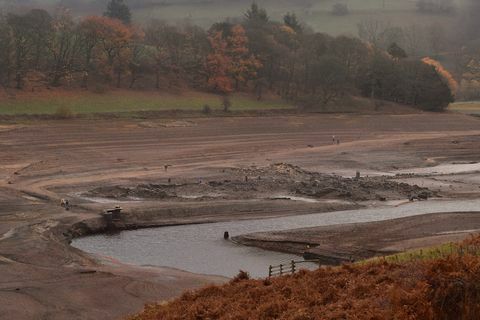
287, 268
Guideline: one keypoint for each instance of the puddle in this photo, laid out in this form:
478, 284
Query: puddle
442, 169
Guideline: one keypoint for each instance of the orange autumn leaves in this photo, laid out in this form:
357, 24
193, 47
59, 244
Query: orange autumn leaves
110, 44
230, 64
444, 74
439, 288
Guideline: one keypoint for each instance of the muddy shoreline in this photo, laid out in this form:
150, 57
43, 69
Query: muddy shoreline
44, 161
333, 245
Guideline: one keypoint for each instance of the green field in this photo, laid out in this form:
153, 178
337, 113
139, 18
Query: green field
428, 253
469, 107
127, 101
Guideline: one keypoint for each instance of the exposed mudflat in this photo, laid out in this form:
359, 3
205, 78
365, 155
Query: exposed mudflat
41, 162
276, 181
350, 242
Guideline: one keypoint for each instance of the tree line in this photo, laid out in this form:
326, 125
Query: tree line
255, 55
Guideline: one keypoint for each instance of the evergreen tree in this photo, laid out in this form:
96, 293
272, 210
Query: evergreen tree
396, 51
257, 14
290, 20
118, 9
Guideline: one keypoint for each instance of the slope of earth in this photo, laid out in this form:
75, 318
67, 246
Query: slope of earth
443, 288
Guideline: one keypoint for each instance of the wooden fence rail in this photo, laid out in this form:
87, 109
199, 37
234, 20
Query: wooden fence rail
287, 268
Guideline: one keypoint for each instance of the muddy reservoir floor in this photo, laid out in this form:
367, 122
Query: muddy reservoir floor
41, 162
201, 248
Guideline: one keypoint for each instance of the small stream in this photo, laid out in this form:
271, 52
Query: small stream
202, 249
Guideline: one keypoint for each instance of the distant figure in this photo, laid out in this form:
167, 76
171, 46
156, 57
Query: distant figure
226, 235
333, 139
65, 204
246, 178
169, 180
166, 167
338, 141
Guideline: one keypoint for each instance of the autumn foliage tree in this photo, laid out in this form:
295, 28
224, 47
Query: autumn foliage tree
244, 65
230, 63
109, 46
256, 55
218, 65
444, 74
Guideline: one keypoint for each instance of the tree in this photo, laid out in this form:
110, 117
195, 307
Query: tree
137, 57
372, 31
108, 43
63, 47
256, 14
430, 92
243, 65
230, 63
352, 52
7, 52
118, 9
290, 20
89, 38
444, 74
218, 64
328, 79
30, 37
414, 40
396, 51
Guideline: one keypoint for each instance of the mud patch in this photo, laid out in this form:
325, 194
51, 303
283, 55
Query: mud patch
291, 182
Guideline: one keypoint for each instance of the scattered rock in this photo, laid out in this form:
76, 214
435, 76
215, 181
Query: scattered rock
276, 179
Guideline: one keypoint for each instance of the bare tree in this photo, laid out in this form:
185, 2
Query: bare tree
372, 31
414, 40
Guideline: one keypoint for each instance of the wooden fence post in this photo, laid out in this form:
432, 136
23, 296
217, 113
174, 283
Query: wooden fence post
270, 271
293, 267
281, 269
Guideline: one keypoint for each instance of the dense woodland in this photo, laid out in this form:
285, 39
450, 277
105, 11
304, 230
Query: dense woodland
255, 55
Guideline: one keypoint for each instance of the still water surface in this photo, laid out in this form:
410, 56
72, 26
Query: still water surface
201, 248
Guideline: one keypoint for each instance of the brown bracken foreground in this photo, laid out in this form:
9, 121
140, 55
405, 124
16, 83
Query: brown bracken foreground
444, 288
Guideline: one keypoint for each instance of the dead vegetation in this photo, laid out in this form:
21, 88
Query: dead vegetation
444, 288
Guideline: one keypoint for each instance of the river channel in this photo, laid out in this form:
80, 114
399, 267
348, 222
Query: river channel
201, 248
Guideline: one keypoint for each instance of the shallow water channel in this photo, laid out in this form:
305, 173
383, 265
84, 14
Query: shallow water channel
202, 249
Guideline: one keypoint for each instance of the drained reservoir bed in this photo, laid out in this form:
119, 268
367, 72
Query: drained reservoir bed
202, 249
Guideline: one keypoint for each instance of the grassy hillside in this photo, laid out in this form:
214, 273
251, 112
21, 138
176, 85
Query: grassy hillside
316, 14
469, 107
445, 287
84, 102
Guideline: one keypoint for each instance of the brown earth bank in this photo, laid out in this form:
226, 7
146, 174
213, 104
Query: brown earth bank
41, 162
333, 245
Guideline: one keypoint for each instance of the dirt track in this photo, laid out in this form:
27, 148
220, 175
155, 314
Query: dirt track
42, 162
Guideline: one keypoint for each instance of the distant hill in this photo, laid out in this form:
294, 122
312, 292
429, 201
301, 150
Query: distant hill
317, 14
